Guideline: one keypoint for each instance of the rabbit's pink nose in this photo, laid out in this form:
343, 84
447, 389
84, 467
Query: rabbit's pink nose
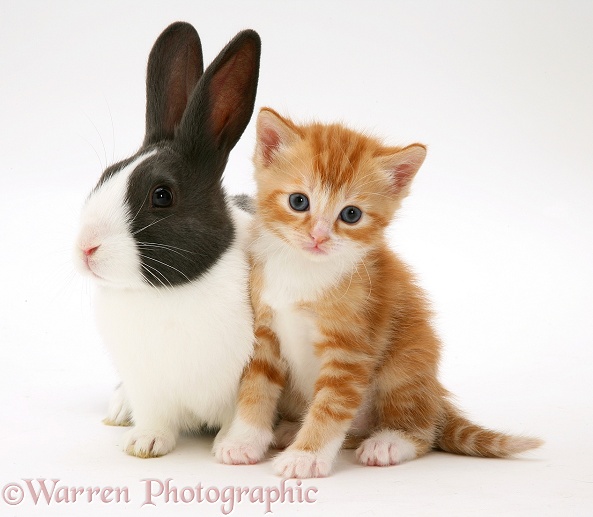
89, 251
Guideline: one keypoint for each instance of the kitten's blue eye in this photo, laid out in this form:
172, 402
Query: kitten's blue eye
351, 214
162, 197
299, 202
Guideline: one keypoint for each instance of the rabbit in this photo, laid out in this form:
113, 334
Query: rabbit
167, 248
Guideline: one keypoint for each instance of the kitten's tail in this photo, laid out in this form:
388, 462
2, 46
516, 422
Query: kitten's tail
460, 436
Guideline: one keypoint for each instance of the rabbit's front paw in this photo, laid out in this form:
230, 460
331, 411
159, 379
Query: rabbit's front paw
145, 443
119, 412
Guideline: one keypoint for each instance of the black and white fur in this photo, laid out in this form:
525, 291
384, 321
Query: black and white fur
172, 297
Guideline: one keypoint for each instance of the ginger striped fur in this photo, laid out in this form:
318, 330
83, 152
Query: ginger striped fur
345, 353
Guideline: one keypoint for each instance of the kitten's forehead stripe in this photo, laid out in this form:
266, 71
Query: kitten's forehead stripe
339, 153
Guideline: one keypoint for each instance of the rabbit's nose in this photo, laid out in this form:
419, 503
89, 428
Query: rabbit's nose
89, 251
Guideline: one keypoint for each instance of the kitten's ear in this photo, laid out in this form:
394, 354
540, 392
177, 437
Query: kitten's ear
403, 165
273, 132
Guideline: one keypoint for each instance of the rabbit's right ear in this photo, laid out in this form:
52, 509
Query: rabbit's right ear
175, 66
223, 101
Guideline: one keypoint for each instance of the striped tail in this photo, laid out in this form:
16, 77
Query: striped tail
460, 436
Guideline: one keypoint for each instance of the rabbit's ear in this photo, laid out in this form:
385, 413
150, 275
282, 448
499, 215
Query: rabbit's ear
175, 66
223, 101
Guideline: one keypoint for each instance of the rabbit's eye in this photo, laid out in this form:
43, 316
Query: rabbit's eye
162, 197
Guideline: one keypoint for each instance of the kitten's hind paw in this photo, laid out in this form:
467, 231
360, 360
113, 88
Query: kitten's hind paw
385, 448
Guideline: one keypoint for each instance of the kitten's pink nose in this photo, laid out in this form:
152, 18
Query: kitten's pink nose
89, 251
320, 232
320, 239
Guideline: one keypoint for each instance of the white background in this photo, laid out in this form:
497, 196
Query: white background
498, 228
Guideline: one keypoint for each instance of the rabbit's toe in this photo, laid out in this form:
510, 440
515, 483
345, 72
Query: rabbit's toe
149, 444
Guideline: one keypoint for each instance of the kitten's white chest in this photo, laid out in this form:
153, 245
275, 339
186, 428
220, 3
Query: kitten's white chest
290, 277
297, 334
288, 283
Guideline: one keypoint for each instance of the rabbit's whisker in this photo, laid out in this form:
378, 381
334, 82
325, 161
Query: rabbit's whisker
154, 222
100, 137
172, 249
168, 265
150, 269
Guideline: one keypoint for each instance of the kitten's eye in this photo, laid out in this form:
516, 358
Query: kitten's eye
299, 202
162, 197
351, 214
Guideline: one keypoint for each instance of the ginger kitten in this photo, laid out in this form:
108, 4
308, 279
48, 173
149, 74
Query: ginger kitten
345, 346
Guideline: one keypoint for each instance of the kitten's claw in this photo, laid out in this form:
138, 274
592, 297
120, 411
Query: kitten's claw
148, 444
384, 449
301, 465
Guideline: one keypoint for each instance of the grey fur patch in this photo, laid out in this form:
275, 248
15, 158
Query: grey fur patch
245, 202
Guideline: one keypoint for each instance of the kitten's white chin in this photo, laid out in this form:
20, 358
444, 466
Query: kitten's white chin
315, 250
315, 253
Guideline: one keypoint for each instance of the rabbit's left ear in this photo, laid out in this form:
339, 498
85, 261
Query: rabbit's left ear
175, 66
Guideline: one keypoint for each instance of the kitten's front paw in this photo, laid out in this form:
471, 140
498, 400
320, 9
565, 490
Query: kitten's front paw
242, 444
145, 443
301, 465
384, 449
119, 412
285, 433
235, 453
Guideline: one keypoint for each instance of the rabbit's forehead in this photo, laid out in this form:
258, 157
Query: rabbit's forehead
108, 199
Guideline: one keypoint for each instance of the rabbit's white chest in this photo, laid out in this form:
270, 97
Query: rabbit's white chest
183, 349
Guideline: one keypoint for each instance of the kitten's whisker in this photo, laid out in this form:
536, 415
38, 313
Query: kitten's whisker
297, 170
367, 271
349, 283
